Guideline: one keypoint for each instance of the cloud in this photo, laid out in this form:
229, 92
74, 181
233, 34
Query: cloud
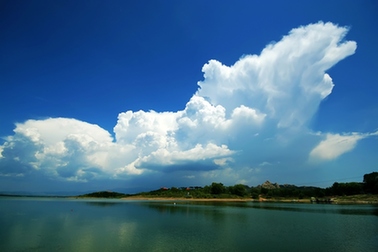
60, 147
335, 145
244, 118
287, 80
197, 158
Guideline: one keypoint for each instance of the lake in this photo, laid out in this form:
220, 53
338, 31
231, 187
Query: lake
53, 224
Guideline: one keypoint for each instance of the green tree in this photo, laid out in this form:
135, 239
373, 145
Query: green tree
335, 189
255, 192
239, 190
349, 188
206, 189
264, 190
371, 182
217, 188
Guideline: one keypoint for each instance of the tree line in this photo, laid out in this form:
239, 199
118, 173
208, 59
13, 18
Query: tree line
218, 190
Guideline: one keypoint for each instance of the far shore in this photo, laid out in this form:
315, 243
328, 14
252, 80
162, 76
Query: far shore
188, 199
342, 200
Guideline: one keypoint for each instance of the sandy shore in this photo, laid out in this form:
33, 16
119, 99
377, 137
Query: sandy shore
186, 199
214, 199
336, 200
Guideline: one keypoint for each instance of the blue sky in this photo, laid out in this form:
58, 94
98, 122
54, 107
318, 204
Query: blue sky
141, 94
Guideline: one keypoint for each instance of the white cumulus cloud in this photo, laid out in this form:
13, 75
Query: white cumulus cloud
287, 80
243, 119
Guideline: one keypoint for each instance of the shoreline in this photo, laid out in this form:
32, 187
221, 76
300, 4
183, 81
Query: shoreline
187, 199
341, 201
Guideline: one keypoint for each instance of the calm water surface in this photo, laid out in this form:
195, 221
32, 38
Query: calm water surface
43, 224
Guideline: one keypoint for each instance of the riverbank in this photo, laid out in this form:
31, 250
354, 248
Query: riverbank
357, 199
187, 199
353, 199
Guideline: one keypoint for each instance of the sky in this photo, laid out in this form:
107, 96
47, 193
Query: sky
137, 95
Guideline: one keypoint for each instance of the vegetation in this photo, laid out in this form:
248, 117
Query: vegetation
368, 186
266, 190
104, 194
371, 183
213, 191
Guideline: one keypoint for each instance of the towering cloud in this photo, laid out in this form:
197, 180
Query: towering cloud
286, 81
243, 118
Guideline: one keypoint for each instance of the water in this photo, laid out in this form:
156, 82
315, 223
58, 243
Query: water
43, 224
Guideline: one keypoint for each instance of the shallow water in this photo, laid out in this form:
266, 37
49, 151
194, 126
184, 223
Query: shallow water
47, 224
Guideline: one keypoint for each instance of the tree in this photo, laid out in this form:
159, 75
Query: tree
239, 190
207, 189
349, 188
255, 192
371, 182
335, 189
217, 188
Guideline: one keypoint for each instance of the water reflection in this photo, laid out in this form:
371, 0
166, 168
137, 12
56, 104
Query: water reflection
119, 225
213, 212
312, 208
209, 208
102, 203
213, 207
